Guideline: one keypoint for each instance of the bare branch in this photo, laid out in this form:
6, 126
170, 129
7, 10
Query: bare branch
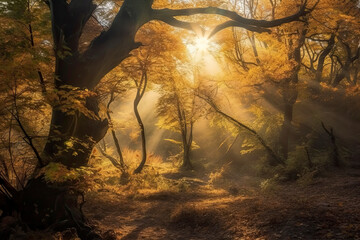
113, 160
27, 136
271, 152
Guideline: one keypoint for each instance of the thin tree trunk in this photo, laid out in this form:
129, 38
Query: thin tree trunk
286, 129
355, 79
41, 77
345, 67
321, 61
27, 138
141, 88
111, 158
5, 170
340, 76
113, 133
186, 135
332, 69
335, 150
186, 158
187, 144
253, 45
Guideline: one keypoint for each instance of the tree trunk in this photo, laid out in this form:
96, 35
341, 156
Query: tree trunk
186, 157
141, 87
187, 143
290, 94
345, 67
118, 149
334, 148
122, 164
72, 137
74, 132
186, 134
321, 61
286, 128
143, 142
356, 73
340, 76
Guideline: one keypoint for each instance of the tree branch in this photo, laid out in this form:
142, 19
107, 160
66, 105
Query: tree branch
238, 24
113, 160
167, 15
273, 155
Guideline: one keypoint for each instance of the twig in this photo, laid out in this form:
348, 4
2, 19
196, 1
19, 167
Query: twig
11, 156
27, 136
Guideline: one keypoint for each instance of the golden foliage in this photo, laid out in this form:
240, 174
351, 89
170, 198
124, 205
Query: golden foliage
59, 173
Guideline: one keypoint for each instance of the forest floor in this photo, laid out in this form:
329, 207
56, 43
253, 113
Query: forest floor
327, 207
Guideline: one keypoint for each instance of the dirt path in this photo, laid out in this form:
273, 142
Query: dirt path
327, 209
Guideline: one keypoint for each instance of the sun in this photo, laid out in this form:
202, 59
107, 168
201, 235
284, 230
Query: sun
201, 44
202, 52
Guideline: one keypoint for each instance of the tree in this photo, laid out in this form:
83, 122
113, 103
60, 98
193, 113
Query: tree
331, 47
120, 164
269, 65
147, 62
76, 124
178, 111
140, 91
23, 91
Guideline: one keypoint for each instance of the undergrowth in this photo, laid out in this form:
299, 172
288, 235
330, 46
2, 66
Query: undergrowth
150, 179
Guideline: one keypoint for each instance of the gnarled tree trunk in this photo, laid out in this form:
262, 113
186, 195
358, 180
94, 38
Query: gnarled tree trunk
73, 136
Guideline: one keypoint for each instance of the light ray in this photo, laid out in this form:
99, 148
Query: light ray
202, 44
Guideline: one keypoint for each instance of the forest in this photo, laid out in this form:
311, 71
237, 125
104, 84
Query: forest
179, 119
